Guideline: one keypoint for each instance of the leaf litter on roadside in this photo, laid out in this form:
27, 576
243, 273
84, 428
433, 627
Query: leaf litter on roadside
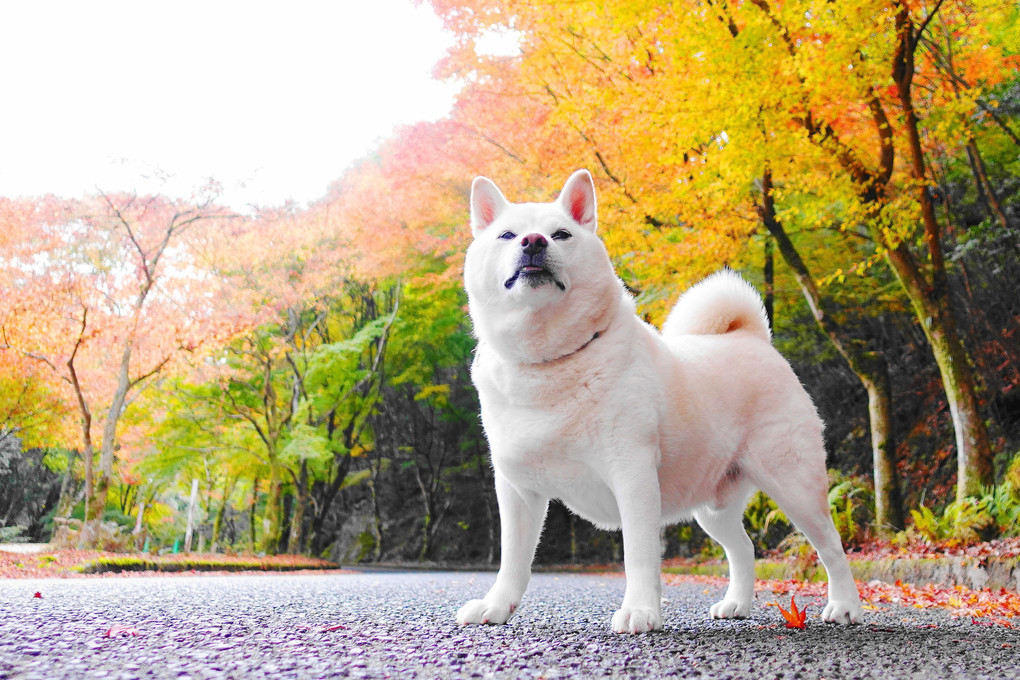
983, 607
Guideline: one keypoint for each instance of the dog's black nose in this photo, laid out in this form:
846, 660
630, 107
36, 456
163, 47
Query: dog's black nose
534, 243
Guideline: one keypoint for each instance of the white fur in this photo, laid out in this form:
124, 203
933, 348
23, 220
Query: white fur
721, 303
583, 402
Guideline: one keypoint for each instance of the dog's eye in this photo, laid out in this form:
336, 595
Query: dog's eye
561, 235
508, 235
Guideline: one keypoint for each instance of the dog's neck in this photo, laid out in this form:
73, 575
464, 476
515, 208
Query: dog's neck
578, 350
542, 336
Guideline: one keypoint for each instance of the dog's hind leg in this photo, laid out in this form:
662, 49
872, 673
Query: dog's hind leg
726, 527
800, 489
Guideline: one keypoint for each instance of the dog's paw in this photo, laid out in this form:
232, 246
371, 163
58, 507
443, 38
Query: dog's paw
636, 620
483, 611
843, 612
730, 609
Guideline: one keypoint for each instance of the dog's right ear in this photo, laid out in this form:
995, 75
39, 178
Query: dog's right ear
487, 203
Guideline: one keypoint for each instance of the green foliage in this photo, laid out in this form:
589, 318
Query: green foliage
366, 546
995, 513
13, 534
765, 522
122, 563
335, 366
1012, 477
959, 522
850, 502
432, 333
1002, 504
849, 499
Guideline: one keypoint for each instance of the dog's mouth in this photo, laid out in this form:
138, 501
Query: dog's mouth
534, 276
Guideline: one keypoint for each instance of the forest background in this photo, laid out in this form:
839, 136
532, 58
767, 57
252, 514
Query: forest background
302, 372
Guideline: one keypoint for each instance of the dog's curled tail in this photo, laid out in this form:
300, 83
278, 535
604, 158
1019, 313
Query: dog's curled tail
721, 303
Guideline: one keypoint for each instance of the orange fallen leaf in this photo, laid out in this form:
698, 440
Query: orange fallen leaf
795, 618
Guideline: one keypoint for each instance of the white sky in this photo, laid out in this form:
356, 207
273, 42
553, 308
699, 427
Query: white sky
272, 99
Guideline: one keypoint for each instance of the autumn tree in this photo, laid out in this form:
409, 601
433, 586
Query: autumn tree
683, 106
106, 297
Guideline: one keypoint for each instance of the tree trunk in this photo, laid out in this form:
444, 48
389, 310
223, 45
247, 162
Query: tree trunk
343, 464
572, 524
95, 507
488, 492
986, 192
252, 512
68, 491
428, 505
297, 520
869, 367
375, 467
139, 519
888, 498
90, 527
272, 520
217, 528
770, 279
932, 301
192, 502
104, 475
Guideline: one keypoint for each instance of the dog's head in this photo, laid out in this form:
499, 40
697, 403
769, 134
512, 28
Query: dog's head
531, 251
538, 268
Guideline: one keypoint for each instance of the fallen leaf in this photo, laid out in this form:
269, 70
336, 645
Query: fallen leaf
117, 629
794, 618
39, 595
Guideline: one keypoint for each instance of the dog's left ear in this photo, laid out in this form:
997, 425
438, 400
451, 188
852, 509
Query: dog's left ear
578, 199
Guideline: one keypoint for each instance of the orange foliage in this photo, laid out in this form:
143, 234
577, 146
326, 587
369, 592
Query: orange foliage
984, 606
679, 106
105, 292
794, 617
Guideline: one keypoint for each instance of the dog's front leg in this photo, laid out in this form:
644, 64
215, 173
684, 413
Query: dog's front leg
637, 494
521, 516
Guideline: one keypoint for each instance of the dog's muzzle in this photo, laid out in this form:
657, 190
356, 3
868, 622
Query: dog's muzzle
531, 264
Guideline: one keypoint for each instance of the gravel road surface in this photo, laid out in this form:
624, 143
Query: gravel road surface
400, 625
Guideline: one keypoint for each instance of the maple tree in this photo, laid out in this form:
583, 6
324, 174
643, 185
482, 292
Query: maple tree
284, 405
30, 405
97, 294
307, 364
686, 106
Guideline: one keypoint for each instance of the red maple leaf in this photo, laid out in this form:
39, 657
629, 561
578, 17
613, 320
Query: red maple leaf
117, 629
795, 618
39, 595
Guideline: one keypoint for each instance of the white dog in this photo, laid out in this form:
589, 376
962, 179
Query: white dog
584, 402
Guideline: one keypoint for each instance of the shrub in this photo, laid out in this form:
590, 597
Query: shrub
1003, 506
765, 522
970, 520
850, 502
13, 534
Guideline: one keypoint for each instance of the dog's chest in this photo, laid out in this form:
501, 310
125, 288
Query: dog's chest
552, 433
563, 459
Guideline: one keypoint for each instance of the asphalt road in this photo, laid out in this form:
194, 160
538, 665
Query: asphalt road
400, 625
